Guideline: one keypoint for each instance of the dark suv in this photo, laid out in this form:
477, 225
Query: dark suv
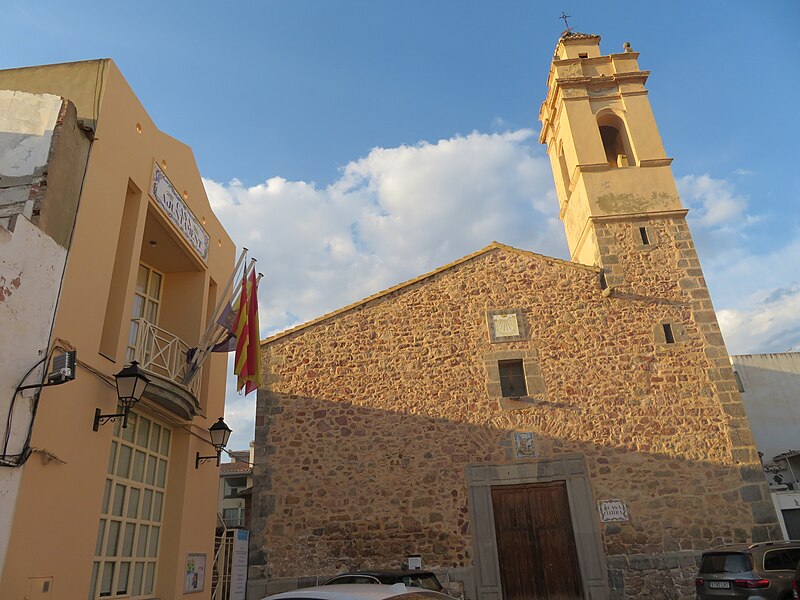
762, 571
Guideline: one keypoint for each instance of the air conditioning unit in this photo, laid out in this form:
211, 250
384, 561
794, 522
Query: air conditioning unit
63, 368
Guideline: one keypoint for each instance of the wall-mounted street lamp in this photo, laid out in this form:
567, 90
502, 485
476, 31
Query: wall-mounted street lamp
220, 433
131, 384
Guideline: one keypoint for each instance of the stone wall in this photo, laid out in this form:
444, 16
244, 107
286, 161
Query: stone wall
369, 417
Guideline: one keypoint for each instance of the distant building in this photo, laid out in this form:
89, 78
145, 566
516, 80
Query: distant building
770, 389
235, 484
108, 245
529, 427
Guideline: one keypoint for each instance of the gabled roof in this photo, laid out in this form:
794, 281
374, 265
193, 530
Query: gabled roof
494, 246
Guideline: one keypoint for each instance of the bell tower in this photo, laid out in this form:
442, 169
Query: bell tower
606, 153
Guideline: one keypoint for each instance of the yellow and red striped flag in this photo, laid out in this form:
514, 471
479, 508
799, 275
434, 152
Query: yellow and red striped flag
247, 363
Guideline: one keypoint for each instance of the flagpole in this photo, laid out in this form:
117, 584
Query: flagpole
202, 347
213, 331
221, 302
238, 289
220, 334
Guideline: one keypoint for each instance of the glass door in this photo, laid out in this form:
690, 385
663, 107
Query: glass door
146, 304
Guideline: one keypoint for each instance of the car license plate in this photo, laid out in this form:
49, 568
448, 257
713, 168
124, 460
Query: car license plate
719, 585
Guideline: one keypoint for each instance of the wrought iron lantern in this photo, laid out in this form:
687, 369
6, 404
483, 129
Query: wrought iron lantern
131, 383
220, 433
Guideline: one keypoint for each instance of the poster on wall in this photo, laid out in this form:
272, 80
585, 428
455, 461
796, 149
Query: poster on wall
194, 579
239, 565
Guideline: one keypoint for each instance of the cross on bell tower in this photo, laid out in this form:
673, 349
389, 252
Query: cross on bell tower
565, 16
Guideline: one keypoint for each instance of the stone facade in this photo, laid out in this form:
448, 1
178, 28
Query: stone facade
382, 428
370, 416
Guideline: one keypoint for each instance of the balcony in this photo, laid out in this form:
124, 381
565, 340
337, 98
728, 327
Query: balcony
233, 522
163, 356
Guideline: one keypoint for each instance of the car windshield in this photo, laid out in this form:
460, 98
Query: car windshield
427, 581
725, 562
346, 579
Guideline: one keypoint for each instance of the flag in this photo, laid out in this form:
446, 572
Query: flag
227, 321
220, 335
247, 364
197, 355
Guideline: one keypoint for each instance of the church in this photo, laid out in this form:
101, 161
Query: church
524, 426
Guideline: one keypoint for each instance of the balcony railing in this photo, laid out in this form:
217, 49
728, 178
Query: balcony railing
231, 522
163, 353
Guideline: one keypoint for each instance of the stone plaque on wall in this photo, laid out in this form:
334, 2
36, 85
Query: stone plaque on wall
179, 213
506, 325
612, 510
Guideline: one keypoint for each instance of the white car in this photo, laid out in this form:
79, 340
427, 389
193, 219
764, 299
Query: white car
358, 591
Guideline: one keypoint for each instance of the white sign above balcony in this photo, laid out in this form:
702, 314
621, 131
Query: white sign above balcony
179, 213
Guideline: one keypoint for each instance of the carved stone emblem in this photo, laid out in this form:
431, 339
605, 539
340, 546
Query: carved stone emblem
524, 444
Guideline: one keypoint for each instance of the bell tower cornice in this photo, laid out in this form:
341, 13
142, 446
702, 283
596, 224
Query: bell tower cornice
573, 79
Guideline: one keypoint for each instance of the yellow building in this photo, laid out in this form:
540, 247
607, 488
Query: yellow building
108, 245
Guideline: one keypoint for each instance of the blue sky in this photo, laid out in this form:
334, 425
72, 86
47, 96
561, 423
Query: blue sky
356, 144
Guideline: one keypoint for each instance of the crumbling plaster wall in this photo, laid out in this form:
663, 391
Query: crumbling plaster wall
40, 148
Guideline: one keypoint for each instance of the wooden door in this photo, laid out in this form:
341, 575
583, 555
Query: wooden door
535, 542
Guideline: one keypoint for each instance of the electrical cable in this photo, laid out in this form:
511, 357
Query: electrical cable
26, 448
9, 418
17, 460
61, 344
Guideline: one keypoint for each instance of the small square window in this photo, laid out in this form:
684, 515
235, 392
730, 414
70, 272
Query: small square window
512, 378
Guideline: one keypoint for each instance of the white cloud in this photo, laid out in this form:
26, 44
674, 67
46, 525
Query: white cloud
392, 215
715, 200
769, 323
759, 302
756, 293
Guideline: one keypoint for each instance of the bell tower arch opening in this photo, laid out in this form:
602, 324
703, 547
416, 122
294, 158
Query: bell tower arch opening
616, 143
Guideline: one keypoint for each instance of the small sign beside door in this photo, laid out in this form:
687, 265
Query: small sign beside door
194, 579
612, 510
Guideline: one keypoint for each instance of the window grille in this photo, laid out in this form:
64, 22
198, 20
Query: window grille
129, 533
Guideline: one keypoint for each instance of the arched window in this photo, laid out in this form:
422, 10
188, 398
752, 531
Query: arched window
615, 140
